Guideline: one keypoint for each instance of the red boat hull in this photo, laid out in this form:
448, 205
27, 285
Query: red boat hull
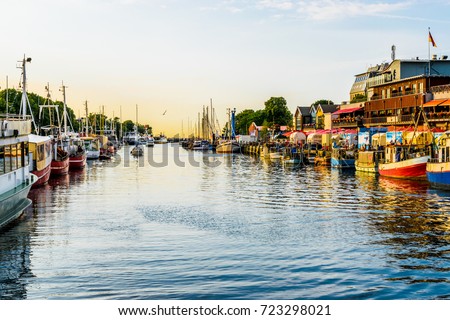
42, 176
77, 162
59, 168
409, 169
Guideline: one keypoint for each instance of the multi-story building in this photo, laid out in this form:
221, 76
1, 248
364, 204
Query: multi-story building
394, 92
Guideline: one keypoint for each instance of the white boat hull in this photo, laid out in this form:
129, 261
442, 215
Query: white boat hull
13, 196
228, 147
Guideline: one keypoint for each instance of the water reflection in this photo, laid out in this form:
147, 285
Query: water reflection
250, 225
15, 261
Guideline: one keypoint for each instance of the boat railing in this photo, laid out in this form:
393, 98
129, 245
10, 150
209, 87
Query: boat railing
438, 160
9, 116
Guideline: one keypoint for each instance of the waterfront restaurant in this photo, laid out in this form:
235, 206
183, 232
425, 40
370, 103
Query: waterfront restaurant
394, 103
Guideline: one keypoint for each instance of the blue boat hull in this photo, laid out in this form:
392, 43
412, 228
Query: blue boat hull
343, 163
440, 180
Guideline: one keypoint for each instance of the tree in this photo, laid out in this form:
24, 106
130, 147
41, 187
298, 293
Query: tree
128, 126
259, 116
243, 120
277, 112
15, 97
323, 101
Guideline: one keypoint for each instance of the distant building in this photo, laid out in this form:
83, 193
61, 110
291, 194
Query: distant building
324, 116
303, 119
362, 80
255, 130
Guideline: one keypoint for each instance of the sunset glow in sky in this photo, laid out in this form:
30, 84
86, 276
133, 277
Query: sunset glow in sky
176, 55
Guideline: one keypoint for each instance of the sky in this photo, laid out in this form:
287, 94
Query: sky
178, 55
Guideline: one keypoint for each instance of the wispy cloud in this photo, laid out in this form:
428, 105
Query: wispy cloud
313, 9
276, 4
331, 10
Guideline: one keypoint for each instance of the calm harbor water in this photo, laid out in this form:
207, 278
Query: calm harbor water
226, 227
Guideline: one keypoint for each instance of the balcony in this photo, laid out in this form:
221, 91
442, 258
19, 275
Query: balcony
406, 119
347, 123
393, 95
438, 116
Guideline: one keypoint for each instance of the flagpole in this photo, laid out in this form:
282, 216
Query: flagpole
429, 53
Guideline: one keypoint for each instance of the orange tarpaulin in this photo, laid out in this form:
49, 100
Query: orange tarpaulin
435, 102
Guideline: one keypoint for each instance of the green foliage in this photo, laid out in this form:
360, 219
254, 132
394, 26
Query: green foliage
359, 98
243, 120
95, 120
128, 126
259, 116
15, 97
277, 112
323, 101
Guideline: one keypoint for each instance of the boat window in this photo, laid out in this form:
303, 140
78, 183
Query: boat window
41, 152
10, 158
48, 149
25, 149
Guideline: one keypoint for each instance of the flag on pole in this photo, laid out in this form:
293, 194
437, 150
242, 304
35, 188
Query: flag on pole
430, 39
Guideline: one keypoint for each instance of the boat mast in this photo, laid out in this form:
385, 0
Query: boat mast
63, 89
87, 121
121, 127
25, 102
7, 98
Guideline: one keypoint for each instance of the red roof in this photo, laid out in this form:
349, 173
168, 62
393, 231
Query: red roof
348, 110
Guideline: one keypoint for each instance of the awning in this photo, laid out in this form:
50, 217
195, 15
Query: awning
348, 110
434, 103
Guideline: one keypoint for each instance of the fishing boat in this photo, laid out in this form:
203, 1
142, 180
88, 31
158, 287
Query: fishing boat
405, 162
137, 150
368, 160
60, 162
150, 141
15, 177
92, 146
275, 153
322, 158
41, 149
438, 167
409, 160
229, 146
161, 139
342, 158
106, 147
60, 157
293, 156
200, 145
71, 141
77, 154
39, 146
